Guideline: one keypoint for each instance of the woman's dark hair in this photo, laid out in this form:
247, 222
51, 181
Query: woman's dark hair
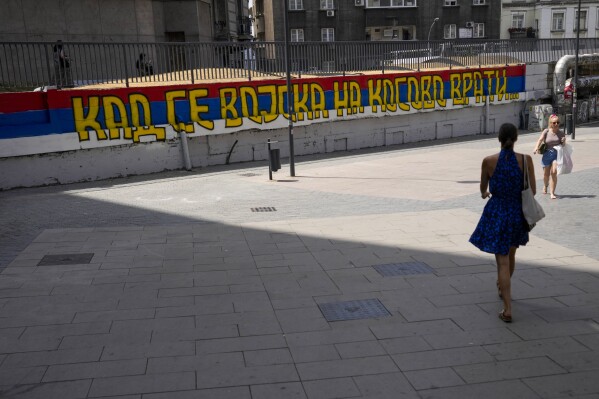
508, 134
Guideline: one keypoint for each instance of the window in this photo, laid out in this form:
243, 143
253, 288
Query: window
449, 31
479, 30
296, 4
297, 35
479, 2
451, 2
583, 19
389, 3
327, 34
557, 20
518, 19
327, 5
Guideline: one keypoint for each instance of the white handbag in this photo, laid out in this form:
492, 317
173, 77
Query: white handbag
532, 210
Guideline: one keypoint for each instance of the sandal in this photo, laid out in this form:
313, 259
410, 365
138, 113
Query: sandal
504, 317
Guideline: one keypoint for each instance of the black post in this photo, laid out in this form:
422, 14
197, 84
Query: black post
269, 162
575, 86
290, 110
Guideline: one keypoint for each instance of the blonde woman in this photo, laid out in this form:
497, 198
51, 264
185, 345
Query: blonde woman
552, 136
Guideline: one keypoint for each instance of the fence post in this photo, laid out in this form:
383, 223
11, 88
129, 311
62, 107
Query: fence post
48, 67
125, 65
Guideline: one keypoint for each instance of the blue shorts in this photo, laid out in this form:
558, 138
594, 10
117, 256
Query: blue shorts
548, 157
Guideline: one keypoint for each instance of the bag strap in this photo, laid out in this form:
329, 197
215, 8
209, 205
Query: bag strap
526, 179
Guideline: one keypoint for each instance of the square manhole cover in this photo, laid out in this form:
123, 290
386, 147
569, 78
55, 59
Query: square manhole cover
403, 269
65, 259
250, 174
353, 310
264, 209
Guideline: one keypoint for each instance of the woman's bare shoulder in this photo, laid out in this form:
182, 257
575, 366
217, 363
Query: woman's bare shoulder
491, 158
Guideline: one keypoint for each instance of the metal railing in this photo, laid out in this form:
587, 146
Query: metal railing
32, 64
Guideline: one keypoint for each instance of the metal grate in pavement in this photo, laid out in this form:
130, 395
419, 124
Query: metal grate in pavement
65, 259
403, 269
353, 310
249, 174
264, 209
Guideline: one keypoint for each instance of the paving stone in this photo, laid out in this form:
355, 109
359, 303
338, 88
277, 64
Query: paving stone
331, 388
564, 385
471, 338
314, 353
526, 349
213, 393
267, 357
490, 390
11, 376
360, 349
346, 368
224, 376
580, 361
387, 385
152, 350
126, 385
81, 371
434, 378
292, 390
508, 370
202, 363
53, 390
441, 358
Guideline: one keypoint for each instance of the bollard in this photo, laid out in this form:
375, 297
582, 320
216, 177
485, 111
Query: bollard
568, 123
274, 159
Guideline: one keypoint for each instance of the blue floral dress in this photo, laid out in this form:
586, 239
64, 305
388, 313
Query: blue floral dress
501, 225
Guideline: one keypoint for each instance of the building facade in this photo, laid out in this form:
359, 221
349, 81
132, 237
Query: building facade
136, 21
549, 19
377, 20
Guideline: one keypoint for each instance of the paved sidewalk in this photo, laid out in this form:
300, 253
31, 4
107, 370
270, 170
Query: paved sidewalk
182, 285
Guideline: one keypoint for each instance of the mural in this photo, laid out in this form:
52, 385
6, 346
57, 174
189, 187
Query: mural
94, 118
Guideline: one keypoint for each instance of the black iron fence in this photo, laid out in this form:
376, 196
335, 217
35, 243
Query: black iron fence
35, 64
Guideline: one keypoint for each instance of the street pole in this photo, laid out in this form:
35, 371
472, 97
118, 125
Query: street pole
428, 40
575, 86
290, 110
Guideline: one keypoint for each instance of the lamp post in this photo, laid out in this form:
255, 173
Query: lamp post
575, 86
428, 40
290, 110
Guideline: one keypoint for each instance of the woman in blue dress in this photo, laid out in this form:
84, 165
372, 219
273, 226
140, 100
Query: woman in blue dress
502, 228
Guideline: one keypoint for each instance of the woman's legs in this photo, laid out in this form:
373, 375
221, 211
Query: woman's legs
505, 269
546, 173
553, 170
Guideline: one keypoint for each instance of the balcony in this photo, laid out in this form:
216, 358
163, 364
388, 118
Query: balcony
522, 33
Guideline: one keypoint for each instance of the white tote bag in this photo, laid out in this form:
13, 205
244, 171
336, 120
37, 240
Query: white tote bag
564, 159
532, 210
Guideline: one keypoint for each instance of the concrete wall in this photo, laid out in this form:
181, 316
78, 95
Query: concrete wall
318, 138
64, 136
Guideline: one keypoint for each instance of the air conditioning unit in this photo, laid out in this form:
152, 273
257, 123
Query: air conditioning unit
330, 13
359, 3
388, 33
470, 24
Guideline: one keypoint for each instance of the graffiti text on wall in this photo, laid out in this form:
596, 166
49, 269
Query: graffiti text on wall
133, 115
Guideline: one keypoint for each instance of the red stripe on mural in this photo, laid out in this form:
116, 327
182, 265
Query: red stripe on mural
21, 102
60, 99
